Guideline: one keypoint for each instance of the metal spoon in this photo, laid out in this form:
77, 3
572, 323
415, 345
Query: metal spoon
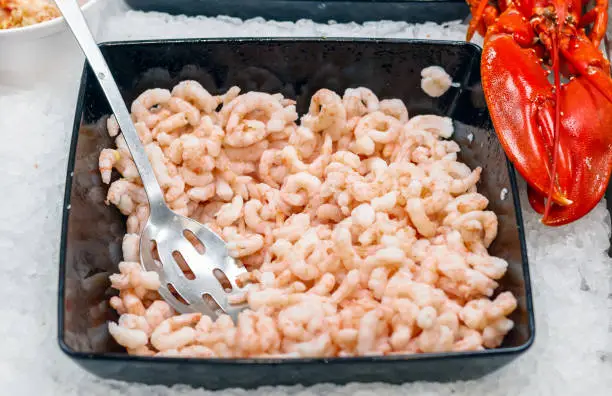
205, 281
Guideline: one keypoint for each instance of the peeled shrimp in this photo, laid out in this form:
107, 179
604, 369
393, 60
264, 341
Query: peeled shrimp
193, 92
245, 246
297, 183
394, 108
241, 132
435, 81
359, 101
126, 195
175, 332
230, 212
129, 338
143, 105
326, 114
192, 114
110, 159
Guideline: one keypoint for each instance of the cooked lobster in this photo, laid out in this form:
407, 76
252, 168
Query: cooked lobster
548, 89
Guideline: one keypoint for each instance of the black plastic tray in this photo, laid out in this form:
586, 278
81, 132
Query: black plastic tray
411, 11
92, 232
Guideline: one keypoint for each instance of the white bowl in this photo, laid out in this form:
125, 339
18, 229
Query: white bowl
28, 54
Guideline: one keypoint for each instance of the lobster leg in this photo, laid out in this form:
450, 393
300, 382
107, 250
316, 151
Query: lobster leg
599, 17
586, 60
483, 15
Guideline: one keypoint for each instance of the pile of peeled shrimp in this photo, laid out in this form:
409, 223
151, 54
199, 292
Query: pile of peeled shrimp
361, 231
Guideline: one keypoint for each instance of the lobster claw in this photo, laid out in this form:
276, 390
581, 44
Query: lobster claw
586, 137
519, 97
521, 101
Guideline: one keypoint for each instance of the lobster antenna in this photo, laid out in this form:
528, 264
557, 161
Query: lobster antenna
561, 13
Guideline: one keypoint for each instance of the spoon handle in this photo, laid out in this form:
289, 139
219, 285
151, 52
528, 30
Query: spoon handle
77, 23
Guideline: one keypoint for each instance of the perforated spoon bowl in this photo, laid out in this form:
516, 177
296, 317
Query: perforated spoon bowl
196, 271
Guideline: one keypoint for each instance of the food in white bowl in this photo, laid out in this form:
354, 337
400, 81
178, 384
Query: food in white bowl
35, 39
362, 232
20, 13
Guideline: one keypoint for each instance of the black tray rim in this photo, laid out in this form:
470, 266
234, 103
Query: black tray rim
293, 10
124, 357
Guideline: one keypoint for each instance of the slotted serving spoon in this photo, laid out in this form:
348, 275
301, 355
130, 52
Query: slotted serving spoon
195, 269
